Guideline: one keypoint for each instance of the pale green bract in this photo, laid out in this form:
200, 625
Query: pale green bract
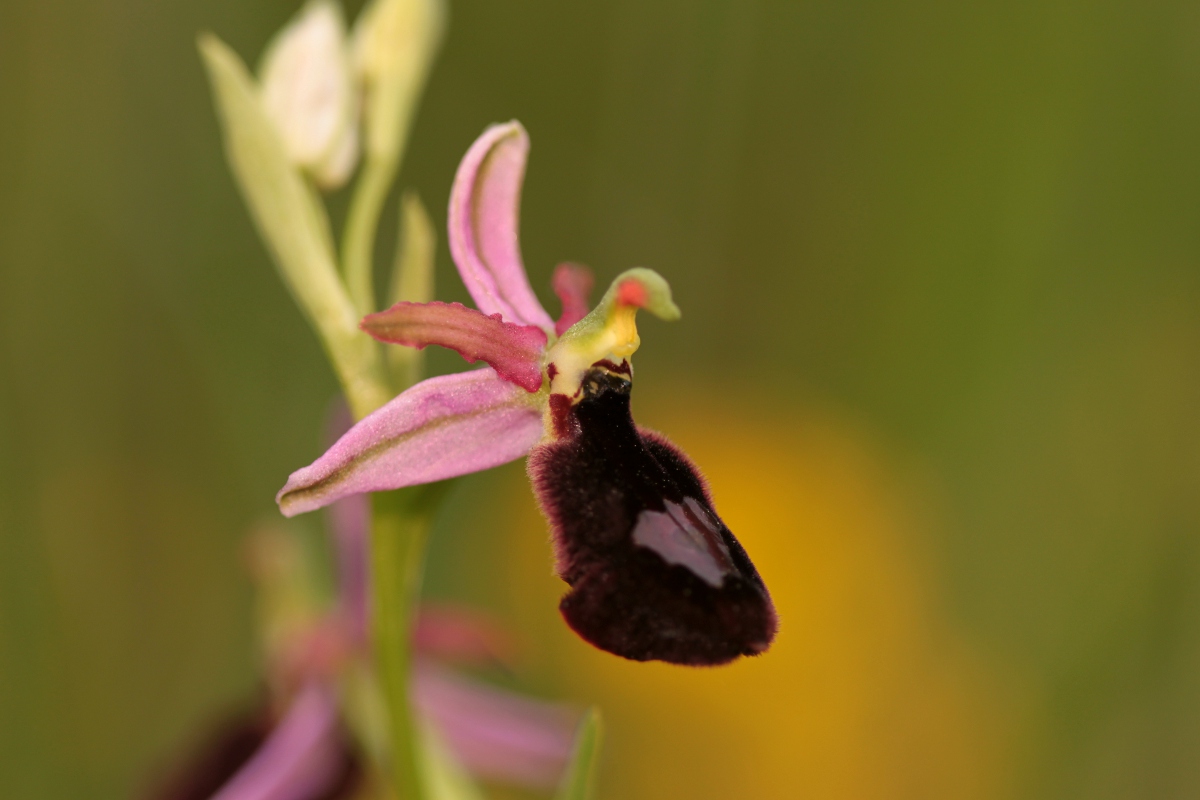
445, 778
580, 781
412, 282
394, 42
293, 224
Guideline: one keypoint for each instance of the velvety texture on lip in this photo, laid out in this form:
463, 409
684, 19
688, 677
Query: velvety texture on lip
684, 592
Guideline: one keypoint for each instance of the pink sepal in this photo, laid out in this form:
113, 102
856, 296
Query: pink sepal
441, 428
495, 734
460, 635
573, 285
300, 759
514, 351
483, 215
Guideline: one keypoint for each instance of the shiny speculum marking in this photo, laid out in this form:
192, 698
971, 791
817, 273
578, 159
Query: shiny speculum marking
686, 535
654, 572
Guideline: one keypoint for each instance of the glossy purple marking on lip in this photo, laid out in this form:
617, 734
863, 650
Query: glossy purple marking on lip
684, 534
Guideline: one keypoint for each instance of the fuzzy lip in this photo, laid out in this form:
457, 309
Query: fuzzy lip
654, 572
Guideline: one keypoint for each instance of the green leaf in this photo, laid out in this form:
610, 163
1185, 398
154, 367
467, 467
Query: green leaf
412, 281
293, 224
580, 780
445, 778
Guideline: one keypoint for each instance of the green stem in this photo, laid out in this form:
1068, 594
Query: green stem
358, 239
397, 545
399, 530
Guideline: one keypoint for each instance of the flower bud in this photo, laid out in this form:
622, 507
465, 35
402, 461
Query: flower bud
308, 92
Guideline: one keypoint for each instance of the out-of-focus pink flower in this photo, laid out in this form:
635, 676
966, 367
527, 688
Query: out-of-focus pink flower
303, 758
307, 752
495, 734
303, 755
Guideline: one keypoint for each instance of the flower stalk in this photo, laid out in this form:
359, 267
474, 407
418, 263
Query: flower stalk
399, 532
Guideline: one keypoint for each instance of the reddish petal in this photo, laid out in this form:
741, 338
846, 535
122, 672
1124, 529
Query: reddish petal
213, 760
573, 285
514, 351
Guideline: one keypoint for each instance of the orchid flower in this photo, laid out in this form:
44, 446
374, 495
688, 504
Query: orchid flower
654, 572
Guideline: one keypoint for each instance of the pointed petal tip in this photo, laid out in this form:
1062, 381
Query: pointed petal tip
514, 351
440, 428
483, 225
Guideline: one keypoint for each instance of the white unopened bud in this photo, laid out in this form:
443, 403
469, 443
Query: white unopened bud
309, 92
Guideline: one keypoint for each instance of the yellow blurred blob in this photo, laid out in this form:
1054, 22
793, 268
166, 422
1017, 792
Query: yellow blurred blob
867, 692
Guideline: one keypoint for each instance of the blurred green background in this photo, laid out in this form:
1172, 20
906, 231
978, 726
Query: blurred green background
940, 355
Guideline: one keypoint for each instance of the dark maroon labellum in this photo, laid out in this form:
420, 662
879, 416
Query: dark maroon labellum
654, 572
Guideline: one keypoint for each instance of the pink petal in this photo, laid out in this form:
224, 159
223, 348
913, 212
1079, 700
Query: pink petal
496, 734
440, 428
461, 635
514, 351
484, 209
573, 285
301, 758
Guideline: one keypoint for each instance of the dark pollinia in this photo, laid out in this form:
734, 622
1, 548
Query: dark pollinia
654, 572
